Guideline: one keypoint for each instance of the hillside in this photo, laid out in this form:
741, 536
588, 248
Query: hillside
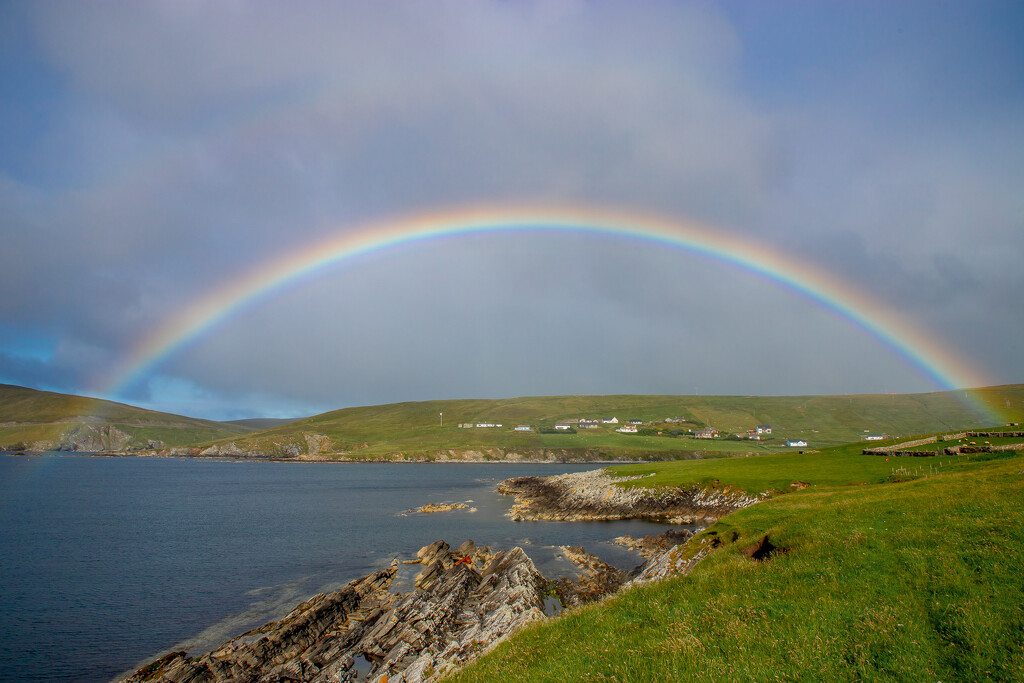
429, 430
907, 577
44, 420
256, 423
417, 429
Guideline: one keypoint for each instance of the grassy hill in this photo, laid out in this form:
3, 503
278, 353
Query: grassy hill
257, 423
41, 420
417, 427
908, 577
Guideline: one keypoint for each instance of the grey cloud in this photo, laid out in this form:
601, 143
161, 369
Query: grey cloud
395, 329
200, 140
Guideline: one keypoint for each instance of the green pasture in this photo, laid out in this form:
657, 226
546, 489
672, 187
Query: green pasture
20, 435
29, 416
417, 427
919, 580
835, 466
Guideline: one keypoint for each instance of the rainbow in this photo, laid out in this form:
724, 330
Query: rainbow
202, 315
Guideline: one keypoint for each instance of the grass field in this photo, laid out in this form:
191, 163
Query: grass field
919, 580
834, 466
416, 427
29, 416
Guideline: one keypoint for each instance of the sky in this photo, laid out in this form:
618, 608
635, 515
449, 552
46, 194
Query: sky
154, 152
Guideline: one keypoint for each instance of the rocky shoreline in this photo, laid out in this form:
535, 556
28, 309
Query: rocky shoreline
497, 457
594, 495
465, 601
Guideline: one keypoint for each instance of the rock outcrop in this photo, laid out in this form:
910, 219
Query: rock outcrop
594, 495
318, 443
441, 507
671, 562
91, 439
227, 450
596, 579
654, 544
465, 601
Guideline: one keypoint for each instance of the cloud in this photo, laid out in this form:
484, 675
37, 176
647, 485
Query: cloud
470, 327
197, 140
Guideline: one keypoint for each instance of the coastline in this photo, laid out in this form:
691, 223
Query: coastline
397, 460
464, 603
595, 496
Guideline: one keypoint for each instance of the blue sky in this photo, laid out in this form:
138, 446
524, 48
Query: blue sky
154, 151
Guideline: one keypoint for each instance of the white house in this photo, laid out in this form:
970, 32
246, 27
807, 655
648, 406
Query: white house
636, 422
706, 433
563, 426
764, 429
627, 429
486, 424
524, 428
610, 420
873, 437
798, 442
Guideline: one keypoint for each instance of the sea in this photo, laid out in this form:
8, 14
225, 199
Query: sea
106, 562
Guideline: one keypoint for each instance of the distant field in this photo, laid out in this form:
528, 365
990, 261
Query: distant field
30, 417
834, 466
416, 427
32, 433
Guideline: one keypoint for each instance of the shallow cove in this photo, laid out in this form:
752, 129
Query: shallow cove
106, 562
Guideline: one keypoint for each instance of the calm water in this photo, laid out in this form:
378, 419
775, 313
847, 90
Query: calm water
106, 562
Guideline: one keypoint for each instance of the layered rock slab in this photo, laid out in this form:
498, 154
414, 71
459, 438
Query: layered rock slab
464, 603
595, 495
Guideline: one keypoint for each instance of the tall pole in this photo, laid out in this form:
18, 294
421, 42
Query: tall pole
442, 419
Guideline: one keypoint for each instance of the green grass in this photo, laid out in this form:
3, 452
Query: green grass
26, 434
834, 466
414, 427
34, 416
914, 581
